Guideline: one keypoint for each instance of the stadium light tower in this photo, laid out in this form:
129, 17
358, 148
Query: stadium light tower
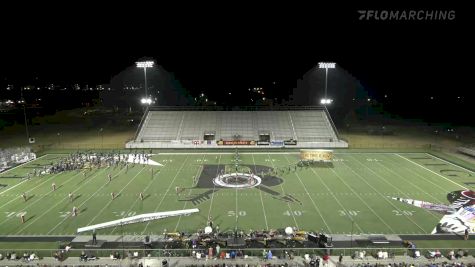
326, 66
145, 65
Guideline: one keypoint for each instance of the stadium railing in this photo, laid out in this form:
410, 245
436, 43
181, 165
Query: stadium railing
370, 252
145, 114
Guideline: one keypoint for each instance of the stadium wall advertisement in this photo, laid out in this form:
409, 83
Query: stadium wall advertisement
316, 154
262, 143
277, 143
237, 143
290, 142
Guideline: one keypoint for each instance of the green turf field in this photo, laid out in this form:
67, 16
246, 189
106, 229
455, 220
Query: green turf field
357, 187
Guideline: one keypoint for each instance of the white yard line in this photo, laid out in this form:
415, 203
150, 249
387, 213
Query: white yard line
237, 211
23, 164
311, 199
82, 203
1, 193
214, 187
337, 200
118, 194
31, 204
46, 180
189, 193
260, 194
133, 204
432, 172
421, 176
283, 192
59, 202
362, 200
430, 155
428, 180
401, 191
10, 188
164, 195
379, 193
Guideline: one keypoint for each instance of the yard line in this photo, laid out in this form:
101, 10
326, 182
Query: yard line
283, 192
237, 213
168, 189
13, 186
337, 200
59, 202
23, 164
118, 194
136, 199
449, 162
432, 172
260, 194
36, 201
421, 176
46, 180
364, 202
214, 187
385, 198
82, 203
311, 199
428, 180
400, 191
189, 193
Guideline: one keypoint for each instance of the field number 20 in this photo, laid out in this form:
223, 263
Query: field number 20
403, 212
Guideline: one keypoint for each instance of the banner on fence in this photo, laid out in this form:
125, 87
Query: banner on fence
277, 143
290, 142
237, 143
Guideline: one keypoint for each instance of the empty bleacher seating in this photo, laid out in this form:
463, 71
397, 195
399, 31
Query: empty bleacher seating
303, 125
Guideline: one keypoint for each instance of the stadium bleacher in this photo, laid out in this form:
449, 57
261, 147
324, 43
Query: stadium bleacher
165, 127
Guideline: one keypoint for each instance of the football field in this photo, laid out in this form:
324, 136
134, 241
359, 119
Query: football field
352, 195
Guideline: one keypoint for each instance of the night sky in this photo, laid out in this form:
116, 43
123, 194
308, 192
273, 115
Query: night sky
240, 47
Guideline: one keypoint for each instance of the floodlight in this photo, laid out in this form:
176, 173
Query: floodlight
326, 65
147, 101
144, 64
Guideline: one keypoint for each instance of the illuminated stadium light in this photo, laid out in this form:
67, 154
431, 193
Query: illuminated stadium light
326, 101
144, 64
147, 101
326, 65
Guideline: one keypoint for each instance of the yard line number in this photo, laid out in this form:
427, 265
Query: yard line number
348, 212
293, 213
124, 213
232, 213
10, 214
403, 212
